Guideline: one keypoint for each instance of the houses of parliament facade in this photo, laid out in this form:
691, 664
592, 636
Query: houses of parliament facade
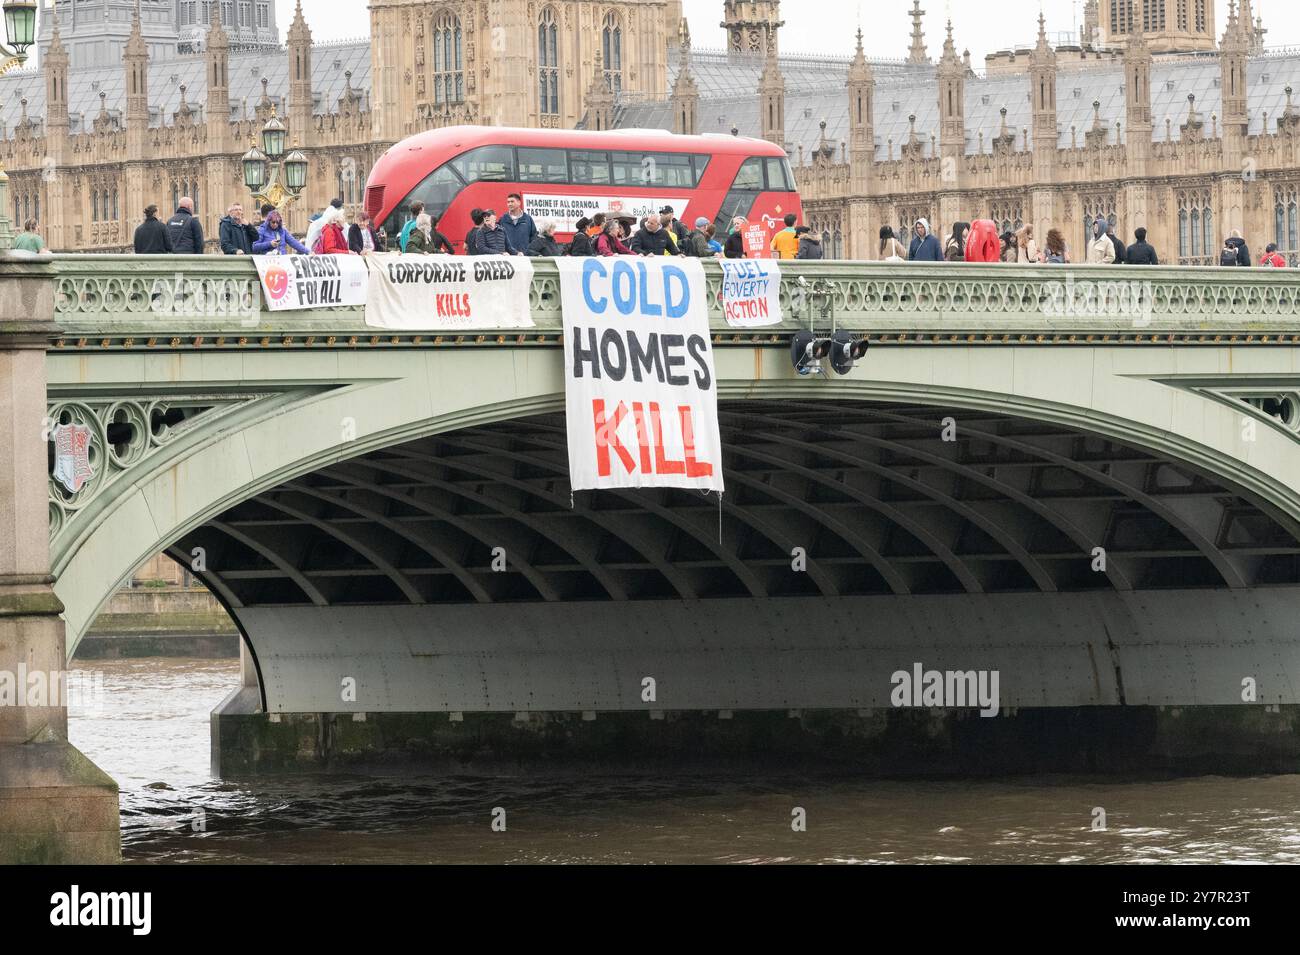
1153, 114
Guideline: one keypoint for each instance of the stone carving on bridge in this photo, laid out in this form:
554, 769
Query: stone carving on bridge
120, 434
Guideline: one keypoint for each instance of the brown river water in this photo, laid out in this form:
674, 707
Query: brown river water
148, 728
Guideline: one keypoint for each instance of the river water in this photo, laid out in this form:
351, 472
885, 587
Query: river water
148, 728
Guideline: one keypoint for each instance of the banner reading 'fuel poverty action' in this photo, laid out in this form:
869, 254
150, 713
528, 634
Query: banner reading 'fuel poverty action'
641, 394
445, 293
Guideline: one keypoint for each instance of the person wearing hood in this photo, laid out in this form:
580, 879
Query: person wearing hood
1101, 251
925, 247
319, 222
954, 250
984, 244
274, 239
810, 246
1238, 245
236, 235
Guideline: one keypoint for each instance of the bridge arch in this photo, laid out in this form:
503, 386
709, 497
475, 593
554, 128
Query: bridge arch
379, 479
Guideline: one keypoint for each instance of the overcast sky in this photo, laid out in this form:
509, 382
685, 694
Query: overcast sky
827, 26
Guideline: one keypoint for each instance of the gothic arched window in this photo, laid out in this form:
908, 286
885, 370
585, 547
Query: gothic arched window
94, 205
548, 63
1184, 237
611, 49
448, 72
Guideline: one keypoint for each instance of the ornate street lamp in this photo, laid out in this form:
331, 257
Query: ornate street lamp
295, 170
254, 162
273, 137
269, 174
20, 28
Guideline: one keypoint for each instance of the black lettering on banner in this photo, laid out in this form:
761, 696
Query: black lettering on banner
645, 359
583, 356
616, 372
699, 348
669, 342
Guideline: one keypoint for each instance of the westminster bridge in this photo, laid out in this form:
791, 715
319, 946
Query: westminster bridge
1086, 479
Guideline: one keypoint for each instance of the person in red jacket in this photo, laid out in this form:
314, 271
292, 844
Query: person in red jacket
983, 244
1273, 258
332, 241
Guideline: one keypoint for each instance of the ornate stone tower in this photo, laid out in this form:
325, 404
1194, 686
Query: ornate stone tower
300, 96
1137, 136
771, 99
600, 98
218, 65
952, 102
1233, 53
917, 55
136, 63
57, 233
686, 93
862, 127
752, 25
1182, 27
1042, 93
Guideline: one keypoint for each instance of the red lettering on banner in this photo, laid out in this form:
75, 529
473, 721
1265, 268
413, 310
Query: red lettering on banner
650, 441
607, 437
662, 464
453, 305
694, 468
642, 436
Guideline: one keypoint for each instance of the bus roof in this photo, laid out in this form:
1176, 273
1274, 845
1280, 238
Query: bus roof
452, 140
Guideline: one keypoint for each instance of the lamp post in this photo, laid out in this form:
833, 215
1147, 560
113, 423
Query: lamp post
270, 175
20, 31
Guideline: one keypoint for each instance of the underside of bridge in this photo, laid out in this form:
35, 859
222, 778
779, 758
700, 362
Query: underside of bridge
457, 573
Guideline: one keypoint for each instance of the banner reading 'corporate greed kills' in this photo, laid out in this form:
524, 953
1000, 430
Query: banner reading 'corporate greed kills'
641, 394
446, 293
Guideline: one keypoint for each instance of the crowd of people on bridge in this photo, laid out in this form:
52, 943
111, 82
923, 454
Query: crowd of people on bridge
979, 241
517, 233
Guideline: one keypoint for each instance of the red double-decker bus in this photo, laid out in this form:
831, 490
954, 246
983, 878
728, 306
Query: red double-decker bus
565, 175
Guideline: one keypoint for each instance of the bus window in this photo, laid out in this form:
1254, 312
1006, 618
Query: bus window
701, 164
750, 177
669, 170
630, 169
543, 165
789, 176
589, 168
437, 191
486, 164
776, 181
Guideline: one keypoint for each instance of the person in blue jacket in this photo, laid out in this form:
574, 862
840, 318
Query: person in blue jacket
925, 247
274, 239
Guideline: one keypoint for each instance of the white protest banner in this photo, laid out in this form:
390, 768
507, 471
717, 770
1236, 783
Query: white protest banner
751, 292
640, 391
565, 211
446, 293
311, 281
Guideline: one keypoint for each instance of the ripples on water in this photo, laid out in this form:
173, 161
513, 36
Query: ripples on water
150, 732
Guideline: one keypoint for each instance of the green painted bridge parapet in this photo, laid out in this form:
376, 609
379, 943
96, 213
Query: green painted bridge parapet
211, 302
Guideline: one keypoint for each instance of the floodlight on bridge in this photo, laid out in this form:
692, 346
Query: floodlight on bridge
807, 352
846, 351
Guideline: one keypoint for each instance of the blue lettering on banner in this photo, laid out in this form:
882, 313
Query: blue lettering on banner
629, 286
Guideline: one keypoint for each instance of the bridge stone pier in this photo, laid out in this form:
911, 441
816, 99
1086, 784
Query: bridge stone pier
1082, 480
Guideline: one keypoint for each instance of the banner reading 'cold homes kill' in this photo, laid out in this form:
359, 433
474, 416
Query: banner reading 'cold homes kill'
311, 281
449, 294
641, 394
